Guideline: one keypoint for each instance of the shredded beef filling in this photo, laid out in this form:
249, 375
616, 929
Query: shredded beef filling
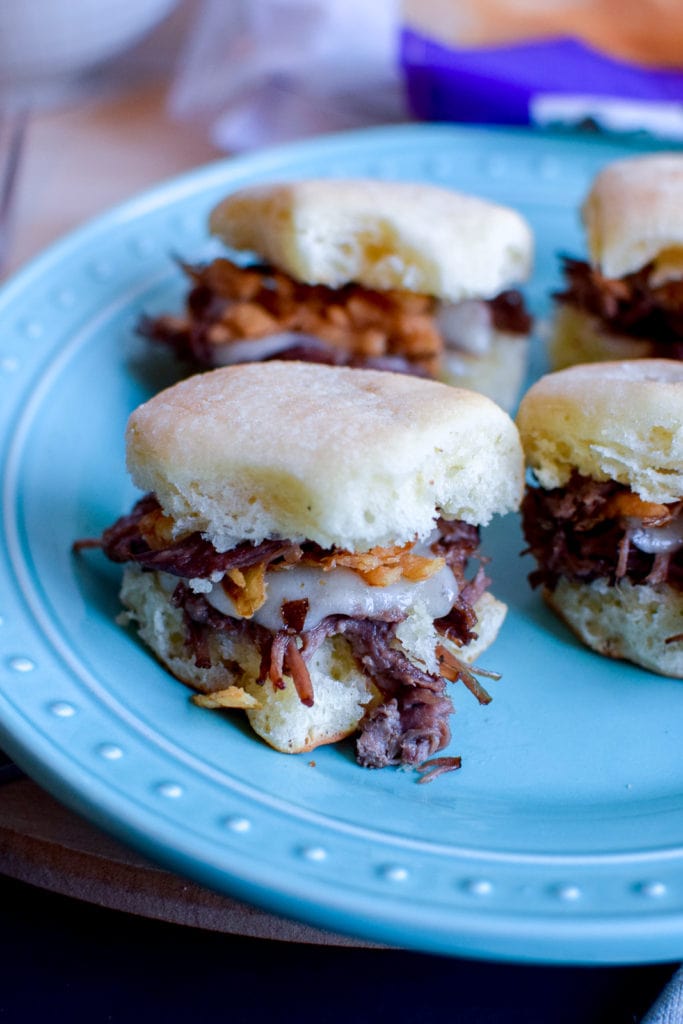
190, 556
571, 531
509, 312
348, 326
629, 305
412, 723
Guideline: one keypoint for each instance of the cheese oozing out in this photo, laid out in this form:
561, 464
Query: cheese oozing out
655, 540
256, 349
338, 591
466, 326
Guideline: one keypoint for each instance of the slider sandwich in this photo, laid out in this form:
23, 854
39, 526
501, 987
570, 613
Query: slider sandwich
307, 548
605, 524
362, 273
626, 302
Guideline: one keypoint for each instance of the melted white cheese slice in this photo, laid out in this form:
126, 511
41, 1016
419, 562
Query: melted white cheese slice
654, 540
338, 591
342, 592
252, 350
466, 326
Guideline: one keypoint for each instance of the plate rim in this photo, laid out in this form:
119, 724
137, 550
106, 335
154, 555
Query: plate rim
87, 800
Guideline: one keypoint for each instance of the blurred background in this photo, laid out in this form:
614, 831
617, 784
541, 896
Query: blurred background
100, 98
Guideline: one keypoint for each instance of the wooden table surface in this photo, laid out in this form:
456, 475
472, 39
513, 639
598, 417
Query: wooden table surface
80, 160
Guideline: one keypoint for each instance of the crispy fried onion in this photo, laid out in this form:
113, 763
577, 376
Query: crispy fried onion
230, 306
630, 505
230, 697
229, 303
246, 588
157, 529
381, 566
378, 568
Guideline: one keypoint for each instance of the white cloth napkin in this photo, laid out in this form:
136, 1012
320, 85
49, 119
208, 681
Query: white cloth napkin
265, 71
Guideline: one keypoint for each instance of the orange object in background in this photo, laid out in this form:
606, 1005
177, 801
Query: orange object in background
603, 63
648, 32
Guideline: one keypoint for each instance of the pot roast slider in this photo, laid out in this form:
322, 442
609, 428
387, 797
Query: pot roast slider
365, 273
626, 301
306, 548
605, 523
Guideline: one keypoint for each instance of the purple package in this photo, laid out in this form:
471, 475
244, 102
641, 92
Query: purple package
543, 82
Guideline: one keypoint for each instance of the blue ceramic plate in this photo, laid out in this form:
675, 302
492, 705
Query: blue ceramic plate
561, 839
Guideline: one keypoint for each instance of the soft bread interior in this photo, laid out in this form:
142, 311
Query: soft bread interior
626, 621
610, 421
380, 234
578, 337
342, 457
632, 216
343, 693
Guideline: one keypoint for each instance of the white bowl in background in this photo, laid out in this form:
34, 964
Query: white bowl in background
44, 41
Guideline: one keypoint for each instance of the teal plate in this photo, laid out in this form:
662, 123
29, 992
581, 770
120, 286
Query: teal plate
559, 840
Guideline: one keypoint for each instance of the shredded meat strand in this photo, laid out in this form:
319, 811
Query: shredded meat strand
296, 666
437, 766
278, 650
452, 668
